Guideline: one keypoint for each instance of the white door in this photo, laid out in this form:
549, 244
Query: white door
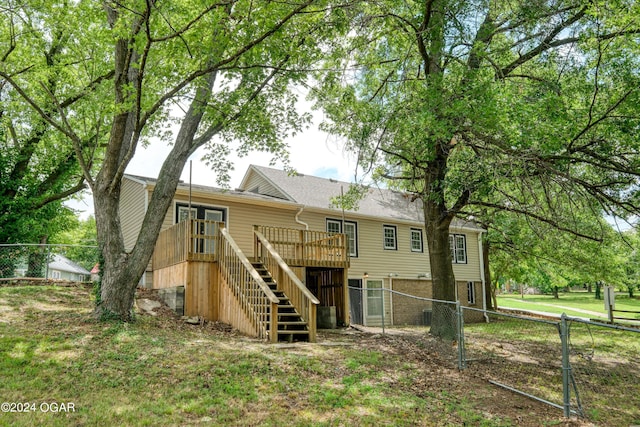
211, 215
373, 306
183, 215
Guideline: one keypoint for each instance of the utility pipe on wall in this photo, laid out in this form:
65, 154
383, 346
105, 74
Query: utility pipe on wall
306, 226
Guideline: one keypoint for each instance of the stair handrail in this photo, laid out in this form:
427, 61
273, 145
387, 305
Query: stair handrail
250, 268
261, 308
285, 267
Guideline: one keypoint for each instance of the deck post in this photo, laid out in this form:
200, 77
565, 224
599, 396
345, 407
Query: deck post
255, 244
300, 247
312, 322
273, 323
345, 287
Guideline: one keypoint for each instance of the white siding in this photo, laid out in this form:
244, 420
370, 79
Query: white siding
257, 184
372, 258
241, 218
132, 210
471, 270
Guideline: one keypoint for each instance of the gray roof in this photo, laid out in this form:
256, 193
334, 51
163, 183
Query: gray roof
318, 192
62, 263
208, 189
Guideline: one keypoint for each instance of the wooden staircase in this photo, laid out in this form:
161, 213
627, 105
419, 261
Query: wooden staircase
291, 325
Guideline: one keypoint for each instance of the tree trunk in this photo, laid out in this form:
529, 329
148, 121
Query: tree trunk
119, 275
38, 260
122, 271
489, 289
444, 321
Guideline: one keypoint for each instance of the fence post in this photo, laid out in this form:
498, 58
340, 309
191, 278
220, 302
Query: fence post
382, 294
566, 366
462, 360
46, 262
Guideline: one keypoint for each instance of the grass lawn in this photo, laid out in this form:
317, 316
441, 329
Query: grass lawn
159, 371
575, 304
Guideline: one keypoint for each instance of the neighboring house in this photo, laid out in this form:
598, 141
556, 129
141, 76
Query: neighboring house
381, 245
63, 268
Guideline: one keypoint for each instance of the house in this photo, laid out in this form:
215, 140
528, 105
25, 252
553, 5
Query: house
347, 265
64, 269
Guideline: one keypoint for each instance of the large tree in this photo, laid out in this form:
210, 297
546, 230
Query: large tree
38, 165
214, 68
539, 255
479, 106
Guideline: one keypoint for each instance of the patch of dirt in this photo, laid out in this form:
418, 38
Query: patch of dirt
169, 319
437, 361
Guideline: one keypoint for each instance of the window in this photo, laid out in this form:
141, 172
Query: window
471, 293
416, 240
183, 212
334, 226
350, 230
458, 246
390, 240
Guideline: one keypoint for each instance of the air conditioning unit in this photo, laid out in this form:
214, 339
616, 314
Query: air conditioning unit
426, 317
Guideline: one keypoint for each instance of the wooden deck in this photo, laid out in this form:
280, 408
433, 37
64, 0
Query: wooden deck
197, 240
305, 248
191, 240
221, 283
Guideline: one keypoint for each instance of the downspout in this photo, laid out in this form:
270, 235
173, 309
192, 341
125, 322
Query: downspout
482, 279
306, 226
146, 207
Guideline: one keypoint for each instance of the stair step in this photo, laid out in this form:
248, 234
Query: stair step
285, 304
290, 325
286, 317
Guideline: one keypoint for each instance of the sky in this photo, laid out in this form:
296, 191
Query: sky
312, 152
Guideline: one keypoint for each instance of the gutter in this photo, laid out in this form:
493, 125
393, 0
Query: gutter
145, 189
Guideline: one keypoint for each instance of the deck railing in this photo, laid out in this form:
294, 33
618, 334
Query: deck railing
306, 248
257, 301
299, 296
189, 240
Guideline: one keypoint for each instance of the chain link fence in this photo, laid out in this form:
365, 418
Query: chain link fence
583, 368
604, 362
75, 263
514, 352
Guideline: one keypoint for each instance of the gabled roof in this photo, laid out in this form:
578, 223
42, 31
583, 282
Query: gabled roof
312, 191
62, 263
